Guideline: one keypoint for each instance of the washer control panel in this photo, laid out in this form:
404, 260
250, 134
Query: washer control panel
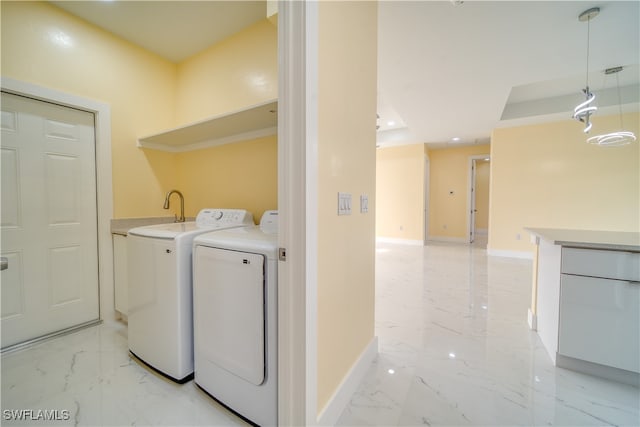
212, 218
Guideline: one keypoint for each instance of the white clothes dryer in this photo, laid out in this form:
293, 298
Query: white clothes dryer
235, 284
160, 289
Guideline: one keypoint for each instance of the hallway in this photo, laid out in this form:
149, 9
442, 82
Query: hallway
455, 349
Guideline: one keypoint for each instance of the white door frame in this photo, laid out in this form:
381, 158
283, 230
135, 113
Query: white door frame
471, 195
102, 114
426, 198
297, 205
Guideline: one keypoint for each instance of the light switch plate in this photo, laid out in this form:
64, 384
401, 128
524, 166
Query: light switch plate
364, 203
344, 203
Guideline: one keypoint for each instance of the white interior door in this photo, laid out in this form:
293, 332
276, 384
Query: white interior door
48, 219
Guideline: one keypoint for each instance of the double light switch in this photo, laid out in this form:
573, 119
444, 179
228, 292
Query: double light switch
344, 203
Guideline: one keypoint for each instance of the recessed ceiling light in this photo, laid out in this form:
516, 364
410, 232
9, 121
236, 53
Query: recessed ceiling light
455, 139
391, 123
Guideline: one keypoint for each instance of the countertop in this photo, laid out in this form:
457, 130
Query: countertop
590, 239
123, 225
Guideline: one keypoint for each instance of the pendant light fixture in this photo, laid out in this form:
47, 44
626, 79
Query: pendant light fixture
584, 110
620, 137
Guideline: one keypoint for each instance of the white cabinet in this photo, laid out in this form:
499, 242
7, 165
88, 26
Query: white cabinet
120, 274
600, 321
600, 307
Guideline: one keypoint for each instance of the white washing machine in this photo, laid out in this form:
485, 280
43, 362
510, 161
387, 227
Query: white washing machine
235, 313
160, 289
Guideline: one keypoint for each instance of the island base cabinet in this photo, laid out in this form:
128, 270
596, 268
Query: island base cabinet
600, 321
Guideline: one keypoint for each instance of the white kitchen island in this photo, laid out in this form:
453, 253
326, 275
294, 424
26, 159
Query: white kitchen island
586, 300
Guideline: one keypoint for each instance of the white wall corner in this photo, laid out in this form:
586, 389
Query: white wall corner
532, 319
341, 397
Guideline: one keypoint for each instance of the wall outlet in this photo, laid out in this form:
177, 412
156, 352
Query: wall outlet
344, 203
518, 236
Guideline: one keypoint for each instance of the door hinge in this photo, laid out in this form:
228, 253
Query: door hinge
282, 254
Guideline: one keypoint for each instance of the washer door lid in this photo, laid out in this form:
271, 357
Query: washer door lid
229, 311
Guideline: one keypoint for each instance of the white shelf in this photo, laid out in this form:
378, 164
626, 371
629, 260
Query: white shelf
249, 123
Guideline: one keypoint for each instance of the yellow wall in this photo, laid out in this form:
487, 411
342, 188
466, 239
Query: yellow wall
347, 60
449, 172
139, 86
547, 176
400, 192
241, 175
148, 94
482, 194
238, 72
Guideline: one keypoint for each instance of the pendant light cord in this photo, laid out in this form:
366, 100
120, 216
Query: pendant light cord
619, 100
588, 37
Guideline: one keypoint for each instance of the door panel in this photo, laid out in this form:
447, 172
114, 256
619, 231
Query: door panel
65, 275
10, 188
63, 173
49, 219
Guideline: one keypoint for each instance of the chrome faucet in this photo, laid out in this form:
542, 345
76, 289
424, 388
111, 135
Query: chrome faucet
166, 204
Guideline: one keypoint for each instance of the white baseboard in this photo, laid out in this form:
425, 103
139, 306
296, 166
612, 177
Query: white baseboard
510, 254
340, 399
447, 239
532, 319
399, 241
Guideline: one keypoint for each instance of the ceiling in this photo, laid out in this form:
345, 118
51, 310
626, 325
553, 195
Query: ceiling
446, 69
174, 30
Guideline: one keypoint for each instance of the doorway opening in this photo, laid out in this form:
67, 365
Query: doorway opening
478, 199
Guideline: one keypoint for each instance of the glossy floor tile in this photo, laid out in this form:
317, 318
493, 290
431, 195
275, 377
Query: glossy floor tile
90, 380
455, 349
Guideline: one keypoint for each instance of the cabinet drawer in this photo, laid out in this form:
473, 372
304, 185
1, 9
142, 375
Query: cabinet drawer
600, 263
600, 321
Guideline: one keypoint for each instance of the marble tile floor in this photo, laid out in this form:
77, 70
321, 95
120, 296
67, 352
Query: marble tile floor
90, 375
456, 350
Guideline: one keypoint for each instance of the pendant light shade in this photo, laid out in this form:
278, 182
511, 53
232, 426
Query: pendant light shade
621, 137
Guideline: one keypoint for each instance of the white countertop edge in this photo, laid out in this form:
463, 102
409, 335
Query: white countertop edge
590, 239
123, 225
